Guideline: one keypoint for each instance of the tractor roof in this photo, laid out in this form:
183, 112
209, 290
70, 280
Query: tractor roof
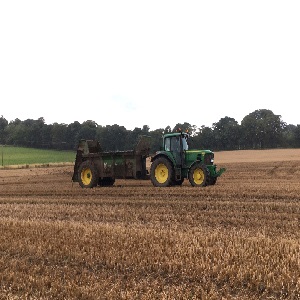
175, 134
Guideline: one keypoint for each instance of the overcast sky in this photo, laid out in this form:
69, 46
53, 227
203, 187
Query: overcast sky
154, 63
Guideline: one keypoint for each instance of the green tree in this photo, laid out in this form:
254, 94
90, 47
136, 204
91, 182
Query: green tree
16, 134
185, 127
3, 124
168, 129
289, 136
226, 133
204, 139
27, 133
73, 134
297, 136
262, 129
35, 133
59, 136
112, 137
47, 136
156, 140
87, 130
132, 136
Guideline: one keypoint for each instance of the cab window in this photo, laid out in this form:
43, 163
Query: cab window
167, 144
172, 144
185, 145
175, 143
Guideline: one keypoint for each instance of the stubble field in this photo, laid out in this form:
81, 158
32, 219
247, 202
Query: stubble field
239, 239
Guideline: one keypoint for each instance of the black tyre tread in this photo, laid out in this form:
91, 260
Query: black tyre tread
94, 181
168, 164
206, 174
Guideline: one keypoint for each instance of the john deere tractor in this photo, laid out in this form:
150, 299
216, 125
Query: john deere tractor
170, 166
175, 162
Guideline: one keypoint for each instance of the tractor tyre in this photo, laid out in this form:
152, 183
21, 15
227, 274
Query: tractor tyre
161, 172
199, 175
107, 181
87, 175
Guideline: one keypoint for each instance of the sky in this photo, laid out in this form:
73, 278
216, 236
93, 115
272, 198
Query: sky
155, 63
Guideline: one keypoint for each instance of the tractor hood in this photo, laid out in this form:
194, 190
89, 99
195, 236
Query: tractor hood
206, 156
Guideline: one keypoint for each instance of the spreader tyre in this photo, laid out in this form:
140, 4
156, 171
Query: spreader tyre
87, 175
199, 175
161, 172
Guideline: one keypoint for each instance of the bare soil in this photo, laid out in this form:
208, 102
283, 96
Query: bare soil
239, 239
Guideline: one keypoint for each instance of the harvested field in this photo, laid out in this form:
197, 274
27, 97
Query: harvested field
239, 239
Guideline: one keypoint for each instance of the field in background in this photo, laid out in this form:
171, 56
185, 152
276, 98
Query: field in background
239, 239
268, 155
240, 156
27, 156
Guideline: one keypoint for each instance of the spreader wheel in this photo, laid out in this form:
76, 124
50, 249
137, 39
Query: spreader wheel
87, 175
199, 175
161, 172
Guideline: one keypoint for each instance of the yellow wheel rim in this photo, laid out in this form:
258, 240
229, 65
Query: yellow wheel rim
161, 173
198, 176
86, 176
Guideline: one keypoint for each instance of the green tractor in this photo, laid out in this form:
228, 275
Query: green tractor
175, 162
170, 166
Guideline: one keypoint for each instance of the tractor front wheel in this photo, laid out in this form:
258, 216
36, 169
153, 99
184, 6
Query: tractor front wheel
87, 175
161, 172
199, 175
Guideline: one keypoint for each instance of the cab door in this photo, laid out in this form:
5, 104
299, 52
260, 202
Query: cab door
176, 149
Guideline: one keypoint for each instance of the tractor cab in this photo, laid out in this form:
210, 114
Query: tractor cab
176, 142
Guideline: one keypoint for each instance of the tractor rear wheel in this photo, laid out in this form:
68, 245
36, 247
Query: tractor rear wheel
161, 172
199, 175
87, 175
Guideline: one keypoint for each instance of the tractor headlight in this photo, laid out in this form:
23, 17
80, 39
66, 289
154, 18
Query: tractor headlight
212, 160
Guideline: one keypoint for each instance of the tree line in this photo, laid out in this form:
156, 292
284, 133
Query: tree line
261, 129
